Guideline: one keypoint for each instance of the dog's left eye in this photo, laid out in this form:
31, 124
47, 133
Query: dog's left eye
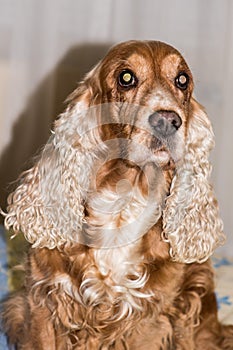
182, 81
127, 79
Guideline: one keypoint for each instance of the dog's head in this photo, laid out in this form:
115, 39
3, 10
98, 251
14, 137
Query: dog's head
144, 89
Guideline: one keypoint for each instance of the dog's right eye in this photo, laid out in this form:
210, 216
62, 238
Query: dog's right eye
182, 81
127, 79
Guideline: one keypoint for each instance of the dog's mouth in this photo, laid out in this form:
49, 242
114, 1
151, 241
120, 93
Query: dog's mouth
139, 145
163, 156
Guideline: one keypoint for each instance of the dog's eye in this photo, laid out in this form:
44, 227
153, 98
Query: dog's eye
127, 79
182, 81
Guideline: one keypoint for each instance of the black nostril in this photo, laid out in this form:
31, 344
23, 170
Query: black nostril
165, 123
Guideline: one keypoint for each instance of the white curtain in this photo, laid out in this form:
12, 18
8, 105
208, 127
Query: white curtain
46, 46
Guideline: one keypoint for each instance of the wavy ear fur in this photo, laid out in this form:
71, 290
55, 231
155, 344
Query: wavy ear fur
191, 218
47, 206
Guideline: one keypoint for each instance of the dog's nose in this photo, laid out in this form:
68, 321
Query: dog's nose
165, 123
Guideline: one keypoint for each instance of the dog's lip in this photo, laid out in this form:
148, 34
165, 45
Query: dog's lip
162, 155
158, 148
156, 144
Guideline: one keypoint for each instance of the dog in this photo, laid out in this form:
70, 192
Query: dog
121, 216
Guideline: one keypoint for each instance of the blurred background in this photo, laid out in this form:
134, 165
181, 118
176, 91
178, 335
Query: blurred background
46, 46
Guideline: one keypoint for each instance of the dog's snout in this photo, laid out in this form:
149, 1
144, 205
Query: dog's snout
165, 123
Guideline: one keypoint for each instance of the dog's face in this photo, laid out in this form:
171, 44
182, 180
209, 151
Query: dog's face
148, 86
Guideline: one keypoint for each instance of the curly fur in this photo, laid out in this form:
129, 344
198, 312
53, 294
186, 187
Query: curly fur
192, 224
121, 217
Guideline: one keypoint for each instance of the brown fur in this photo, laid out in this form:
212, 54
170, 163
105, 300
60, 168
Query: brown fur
155, 291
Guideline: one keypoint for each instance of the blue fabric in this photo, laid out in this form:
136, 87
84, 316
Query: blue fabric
3, 278
223, 267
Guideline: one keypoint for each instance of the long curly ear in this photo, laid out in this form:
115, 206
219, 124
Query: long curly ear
191, 218
47, 206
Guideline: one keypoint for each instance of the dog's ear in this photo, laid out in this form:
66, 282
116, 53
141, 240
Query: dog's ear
191, 219
47, 206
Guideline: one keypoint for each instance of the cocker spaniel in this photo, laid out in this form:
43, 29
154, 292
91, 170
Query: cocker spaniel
121, 216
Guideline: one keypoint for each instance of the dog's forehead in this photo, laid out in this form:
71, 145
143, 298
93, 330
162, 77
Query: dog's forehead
167, 64
138, 61
148, 55
170, 63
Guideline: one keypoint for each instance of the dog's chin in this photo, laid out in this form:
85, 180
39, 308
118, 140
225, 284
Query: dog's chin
161, 158
167, 153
